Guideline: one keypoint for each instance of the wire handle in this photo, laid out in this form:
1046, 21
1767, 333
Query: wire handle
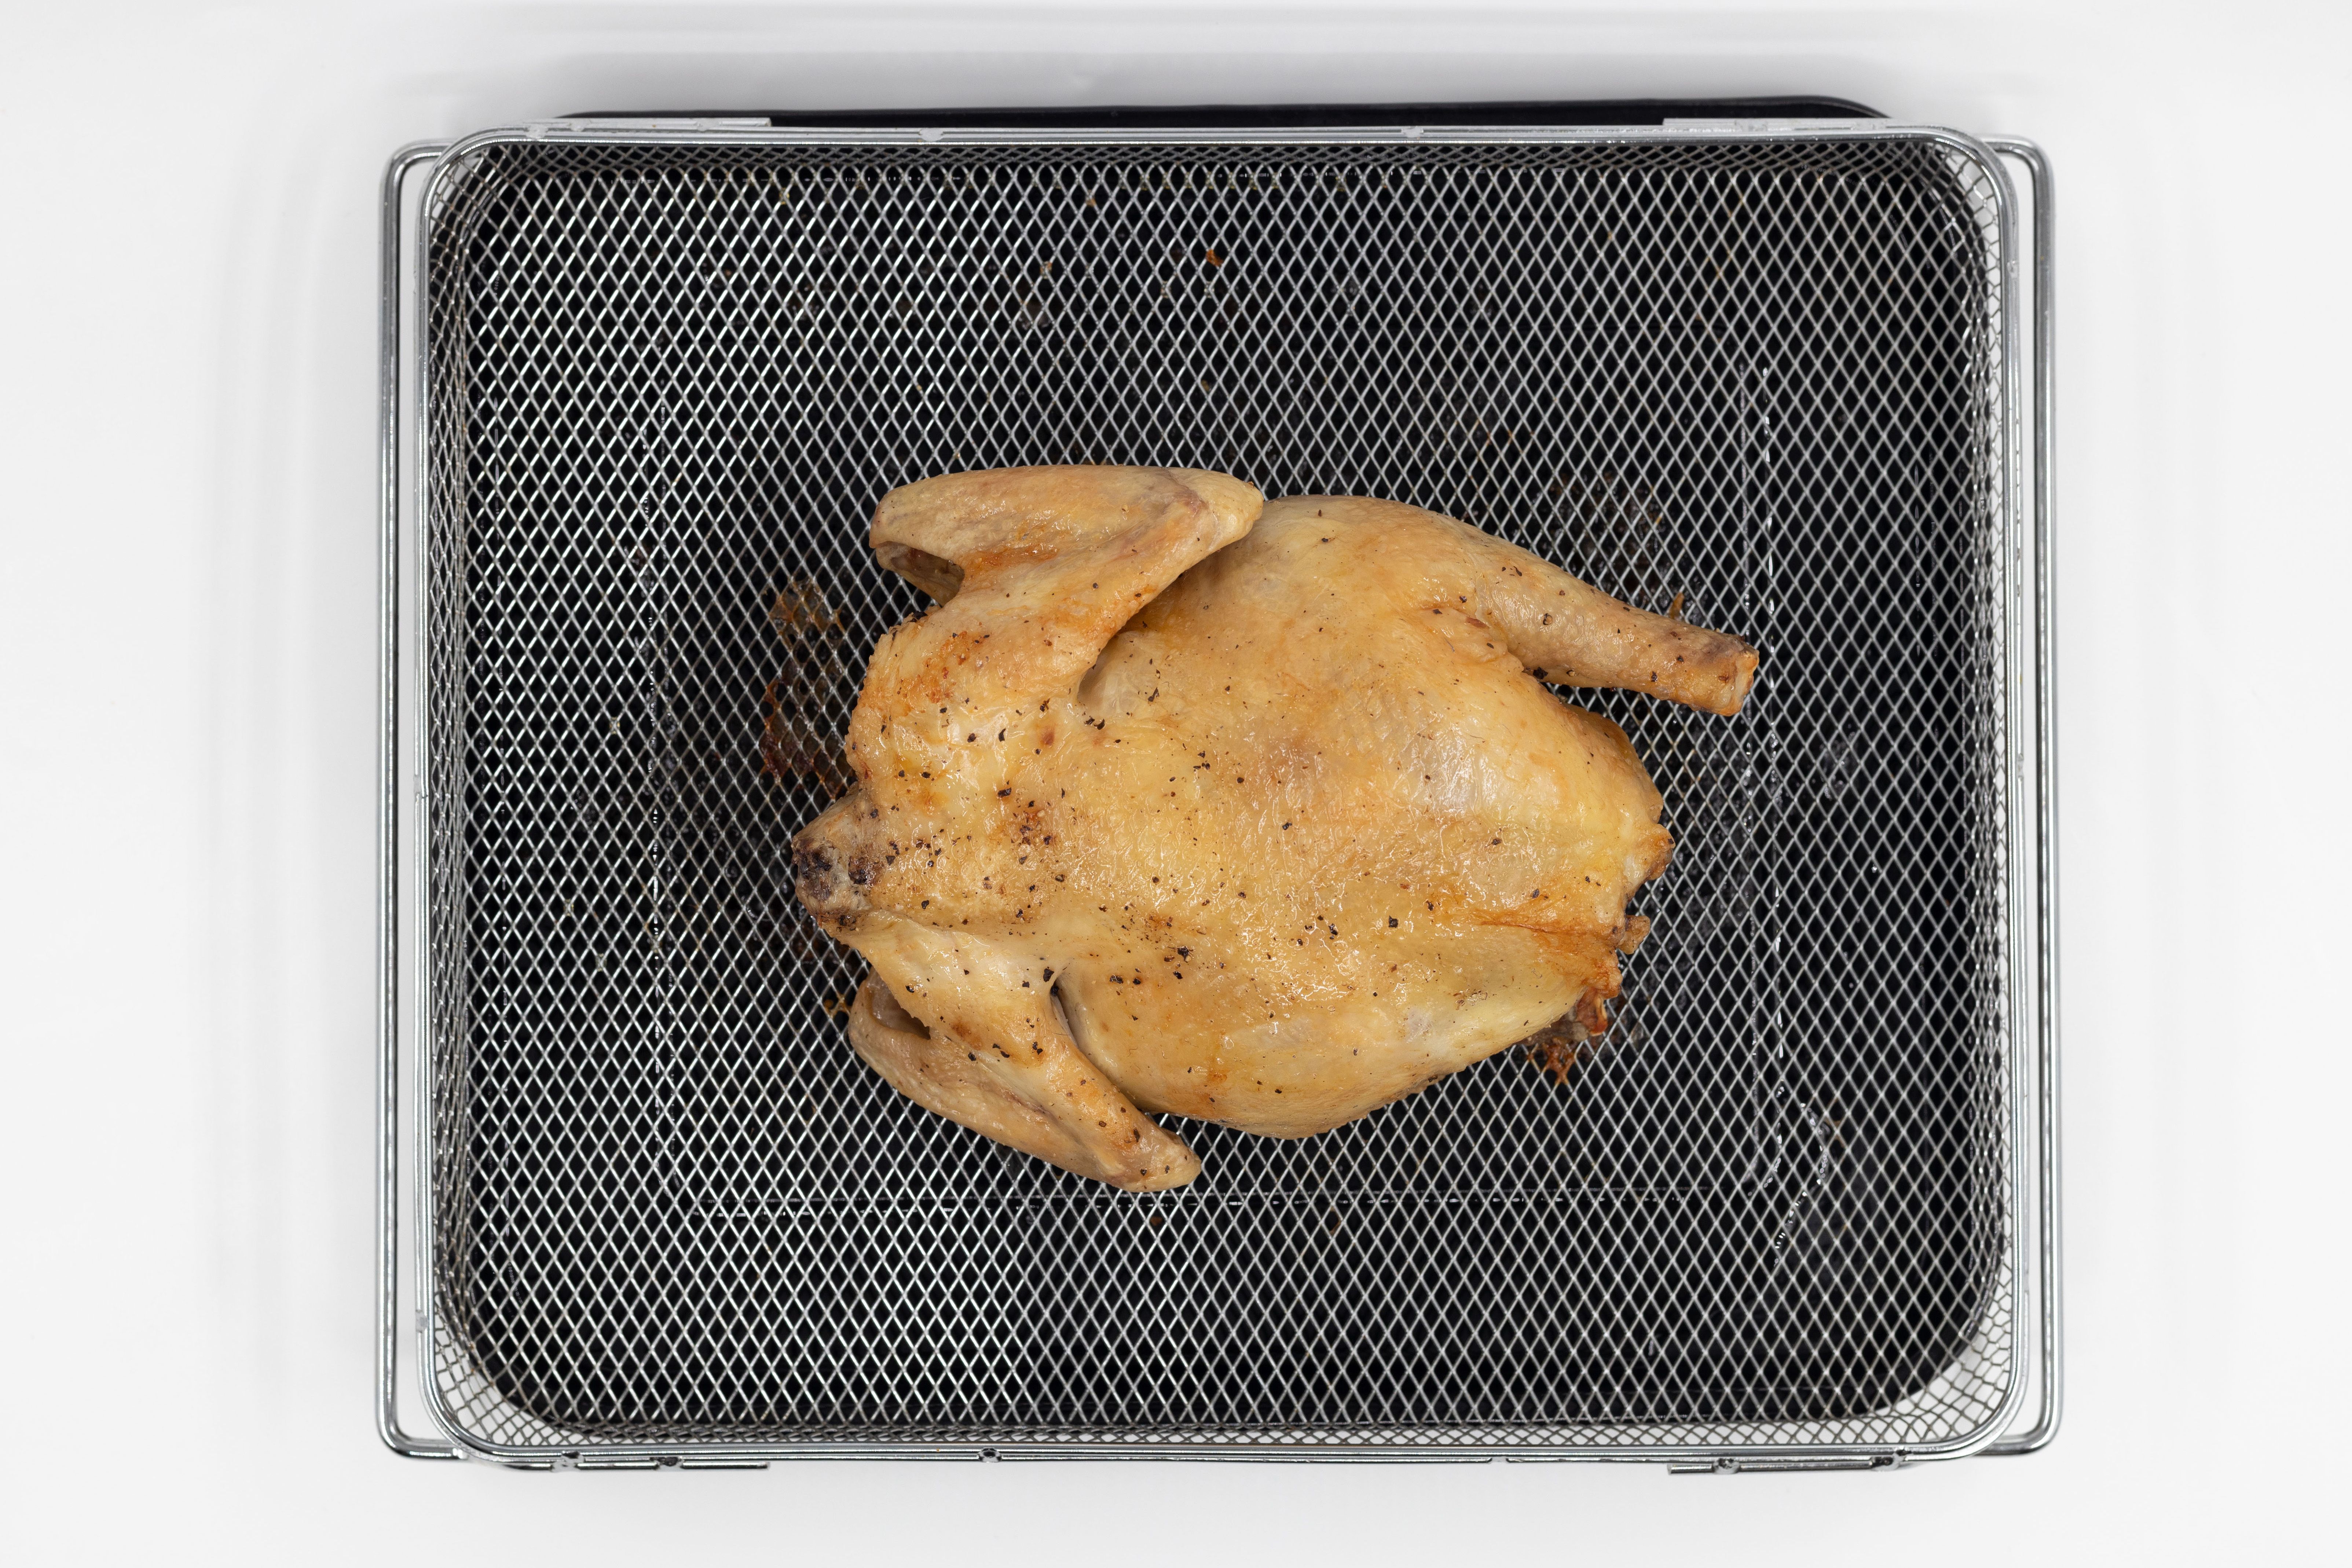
387, 1067
2045, 386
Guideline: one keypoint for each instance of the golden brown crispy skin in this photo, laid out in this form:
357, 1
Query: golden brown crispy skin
1278, 814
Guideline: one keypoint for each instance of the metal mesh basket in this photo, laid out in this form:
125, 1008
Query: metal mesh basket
665, 375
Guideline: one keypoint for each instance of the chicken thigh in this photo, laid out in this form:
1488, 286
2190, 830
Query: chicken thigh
1180, 802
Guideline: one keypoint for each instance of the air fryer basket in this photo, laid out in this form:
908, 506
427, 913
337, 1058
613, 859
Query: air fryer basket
667, 370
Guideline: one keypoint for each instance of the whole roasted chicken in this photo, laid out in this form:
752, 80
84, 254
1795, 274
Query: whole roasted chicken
1180, 802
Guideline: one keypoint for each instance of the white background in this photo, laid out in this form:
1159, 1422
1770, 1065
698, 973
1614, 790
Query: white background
187, 614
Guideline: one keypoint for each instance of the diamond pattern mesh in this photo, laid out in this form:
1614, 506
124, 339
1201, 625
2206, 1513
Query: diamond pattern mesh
667, 385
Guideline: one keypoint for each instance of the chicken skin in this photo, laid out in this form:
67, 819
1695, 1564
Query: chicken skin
1180, 802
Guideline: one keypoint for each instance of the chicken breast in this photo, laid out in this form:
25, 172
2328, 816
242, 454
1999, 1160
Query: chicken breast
1258, 813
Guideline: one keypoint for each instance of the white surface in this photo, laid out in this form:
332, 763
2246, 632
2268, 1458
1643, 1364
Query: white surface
186, 622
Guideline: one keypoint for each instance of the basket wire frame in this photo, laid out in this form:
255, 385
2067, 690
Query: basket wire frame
668, 1214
